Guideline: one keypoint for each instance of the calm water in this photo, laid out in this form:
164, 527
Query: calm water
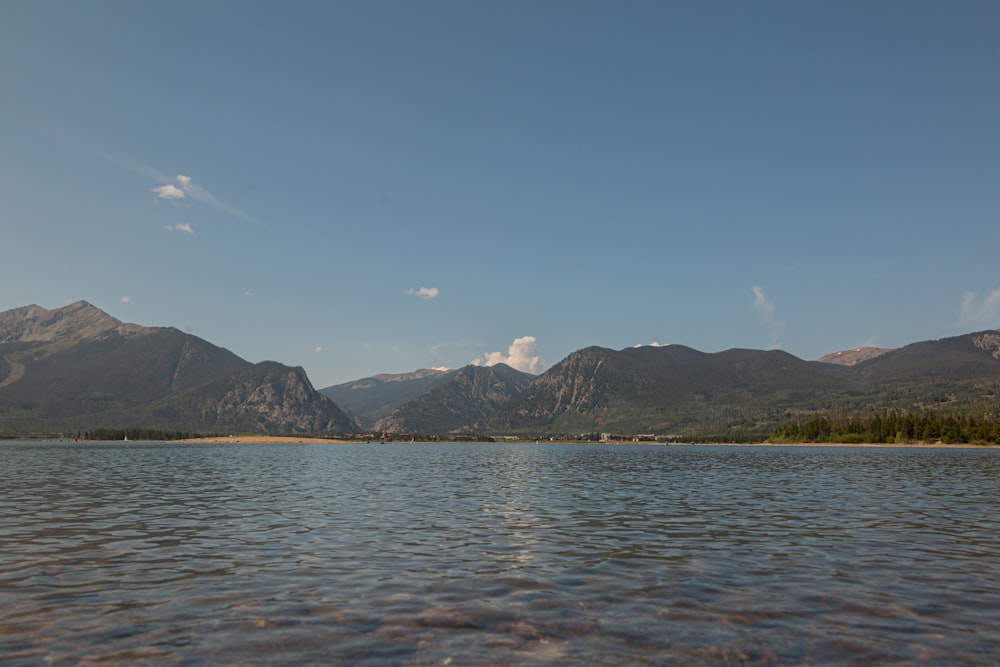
497, 554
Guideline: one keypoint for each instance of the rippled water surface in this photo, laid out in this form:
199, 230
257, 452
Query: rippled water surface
425, 554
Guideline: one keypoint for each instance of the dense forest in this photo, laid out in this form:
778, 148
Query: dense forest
893, 426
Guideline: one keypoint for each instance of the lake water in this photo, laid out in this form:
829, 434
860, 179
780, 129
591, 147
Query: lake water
426, 554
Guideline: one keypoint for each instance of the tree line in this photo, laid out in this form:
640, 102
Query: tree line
893, 426
137, 434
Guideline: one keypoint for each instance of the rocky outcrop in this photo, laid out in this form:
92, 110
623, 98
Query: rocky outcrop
278, 400
988, 342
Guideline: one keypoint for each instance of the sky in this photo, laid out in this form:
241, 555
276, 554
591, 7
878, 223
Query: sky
380, 186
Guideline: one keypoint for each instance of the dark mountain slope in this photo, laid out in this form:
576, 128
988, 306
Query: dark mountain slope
960, 358
666, 390
460, 404
960, 374
77, 368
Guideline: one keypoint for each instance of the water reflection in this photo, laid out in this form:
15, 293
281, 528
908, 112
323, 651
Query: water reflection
497, 554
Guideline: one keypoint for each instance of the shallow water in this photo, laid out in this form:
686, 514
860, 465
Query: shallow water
426, 554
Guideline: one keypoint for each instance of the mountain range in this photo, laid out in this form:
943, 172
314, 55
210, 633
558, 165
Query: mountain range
739, 394
678, 391
77, 368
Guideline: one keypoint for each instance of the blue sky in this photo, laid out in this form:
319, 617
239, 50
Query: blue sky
375, 186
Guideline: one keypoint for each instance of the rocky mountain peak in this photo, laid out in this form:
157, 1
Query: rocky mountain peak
76, 321
855, 356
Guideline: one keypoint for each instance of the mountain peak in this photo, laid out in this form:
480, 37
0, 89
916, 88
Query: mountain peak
77, 367
79, 320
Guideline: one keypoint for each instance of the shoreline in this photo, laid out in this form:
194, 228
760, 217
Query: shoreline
292, 440
304, 440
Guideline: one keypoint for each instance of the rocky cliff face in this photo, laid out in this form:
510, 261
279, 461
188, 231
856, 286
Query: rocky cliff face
577, 384
277, 399
988, 341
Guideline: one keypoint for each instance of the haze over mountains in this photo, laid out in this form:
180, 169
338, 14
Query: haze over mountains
77, 368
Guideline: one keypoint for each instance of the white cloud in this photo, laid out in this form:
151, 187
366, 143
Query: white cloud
761, 304
126, 299
182, 187
441, 368
522, 355
653, 344
180, 227
979, 312
318, 349
168, 191
765, 307
424, 292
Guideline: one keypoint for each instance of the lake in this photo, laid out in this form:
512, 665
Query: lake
493, 554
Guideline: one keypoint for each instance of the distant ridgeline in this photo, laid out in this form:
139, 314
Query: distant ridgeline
77, 370
893, 427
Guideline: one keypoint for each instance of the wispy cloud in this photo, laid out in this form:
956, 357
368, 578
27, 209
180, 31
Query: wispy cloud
125, 299
521, 355
183, 187
202, 196
424, 292
653, 344
180, 227
979, 312
316, 350
765, 308
174, 189
129, 165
